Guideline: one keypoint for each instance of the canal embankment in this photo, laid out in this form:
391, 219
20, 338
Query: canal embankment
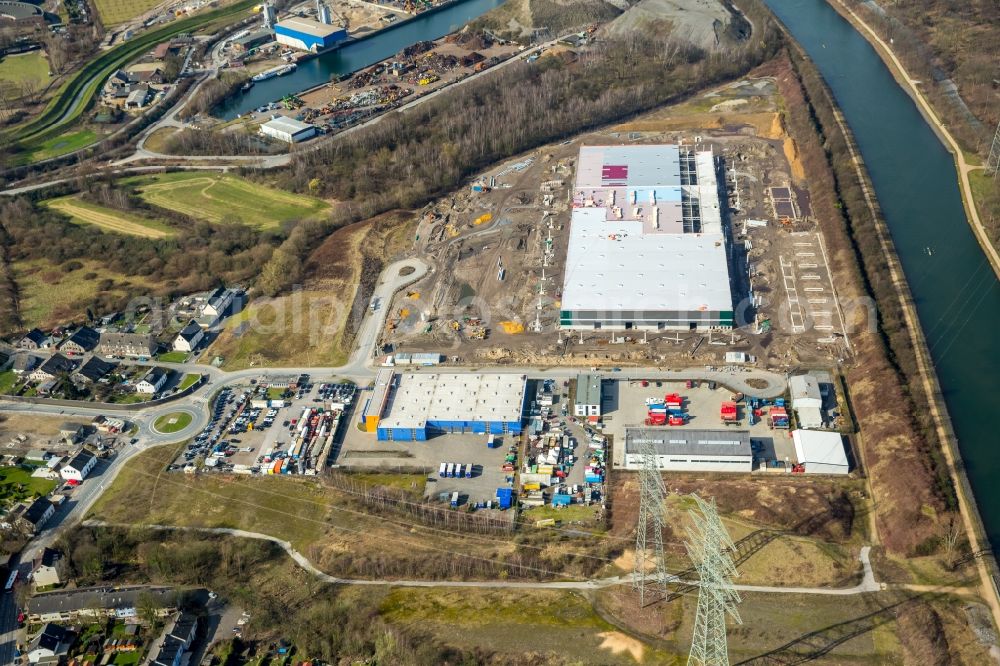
912, 87
910, 201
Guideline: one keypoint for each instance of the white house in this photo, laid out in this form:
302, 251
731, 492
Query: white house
807, 400
218, 302
79, 466
50, 646
152, 382
820, 452
189, 338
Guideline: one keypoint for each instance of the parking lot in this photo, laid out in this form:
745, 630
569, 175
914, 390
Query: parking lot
360, 450
625, 405
256, 424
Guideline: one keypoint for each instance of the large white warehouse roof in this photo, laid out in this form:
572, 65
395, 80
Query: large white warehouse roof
615, 266
421, 398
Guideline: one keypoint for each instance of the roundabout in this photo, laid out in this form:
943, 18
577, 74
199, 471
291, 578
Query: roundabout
172, 422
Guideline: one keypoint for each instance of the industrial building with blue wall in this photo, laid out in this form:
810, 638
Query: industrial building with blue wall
415, 407
308, 35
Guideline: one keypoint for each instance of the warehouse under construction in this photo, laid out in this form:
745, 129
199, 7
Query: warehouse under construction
647, 249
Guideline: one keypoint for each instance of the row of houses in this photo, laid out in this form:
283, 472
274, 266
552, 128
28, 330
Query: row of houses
86, 339
46, 372
52, 644
203, 312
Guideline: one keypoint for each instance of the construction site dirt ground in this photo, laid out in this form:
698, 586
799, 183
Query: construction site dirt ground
493, 296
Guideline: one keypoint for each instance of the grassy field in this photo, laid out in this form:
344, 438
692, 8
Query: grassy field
157, 141
307, 327
51, 295
561, 625
573, 513
7, 381
303, 329
172, 357
144, 493
223, 199
114, 12
17, 484
188, 381
31, 68
63, 144
173, 422
108, 219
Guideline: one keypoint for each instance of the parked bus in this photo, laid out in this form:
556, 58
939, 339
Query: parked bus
459, 470
443, 470
450, 472
468, 471
9, 587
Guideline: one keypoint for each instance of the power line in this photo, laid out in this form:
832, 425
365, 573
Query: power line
709, 546
652, 495
367, 533
993, 161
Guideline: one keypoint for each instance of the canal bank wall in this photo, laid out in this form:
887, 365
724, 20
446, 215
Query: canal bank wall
909, 85
986, 565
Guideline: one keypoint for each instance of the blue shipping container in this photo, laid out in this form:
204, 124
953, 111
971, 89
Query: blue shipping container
561, 500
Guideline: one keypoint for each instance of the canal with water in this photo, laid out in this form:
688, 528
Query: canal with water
956, 292
357, 55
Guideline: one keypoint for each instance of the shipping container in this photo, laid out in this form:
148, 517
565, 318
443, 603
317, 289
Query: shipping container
560, 499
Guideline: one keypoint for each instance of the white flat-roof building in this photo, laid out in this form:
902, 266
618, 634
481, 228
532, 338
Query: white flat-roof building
807, 400
646, 246
588, 397
288, 129
820, 452
684, 450
419, 405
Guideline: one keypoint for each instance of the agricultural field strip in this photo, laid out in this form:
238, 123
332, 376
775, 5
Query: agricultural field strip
226, 196
112, 221
115, 12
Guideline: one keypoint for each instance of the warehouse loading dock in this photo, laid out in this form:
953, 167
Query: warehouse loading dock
409, 406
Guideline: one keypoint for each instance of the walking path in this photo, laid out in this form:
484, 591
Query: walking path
910, 85
867, 584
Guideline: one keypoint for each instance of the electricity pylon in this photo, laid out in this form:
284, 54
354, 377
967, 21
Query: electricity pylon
993, 161
709, 546
652, 494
